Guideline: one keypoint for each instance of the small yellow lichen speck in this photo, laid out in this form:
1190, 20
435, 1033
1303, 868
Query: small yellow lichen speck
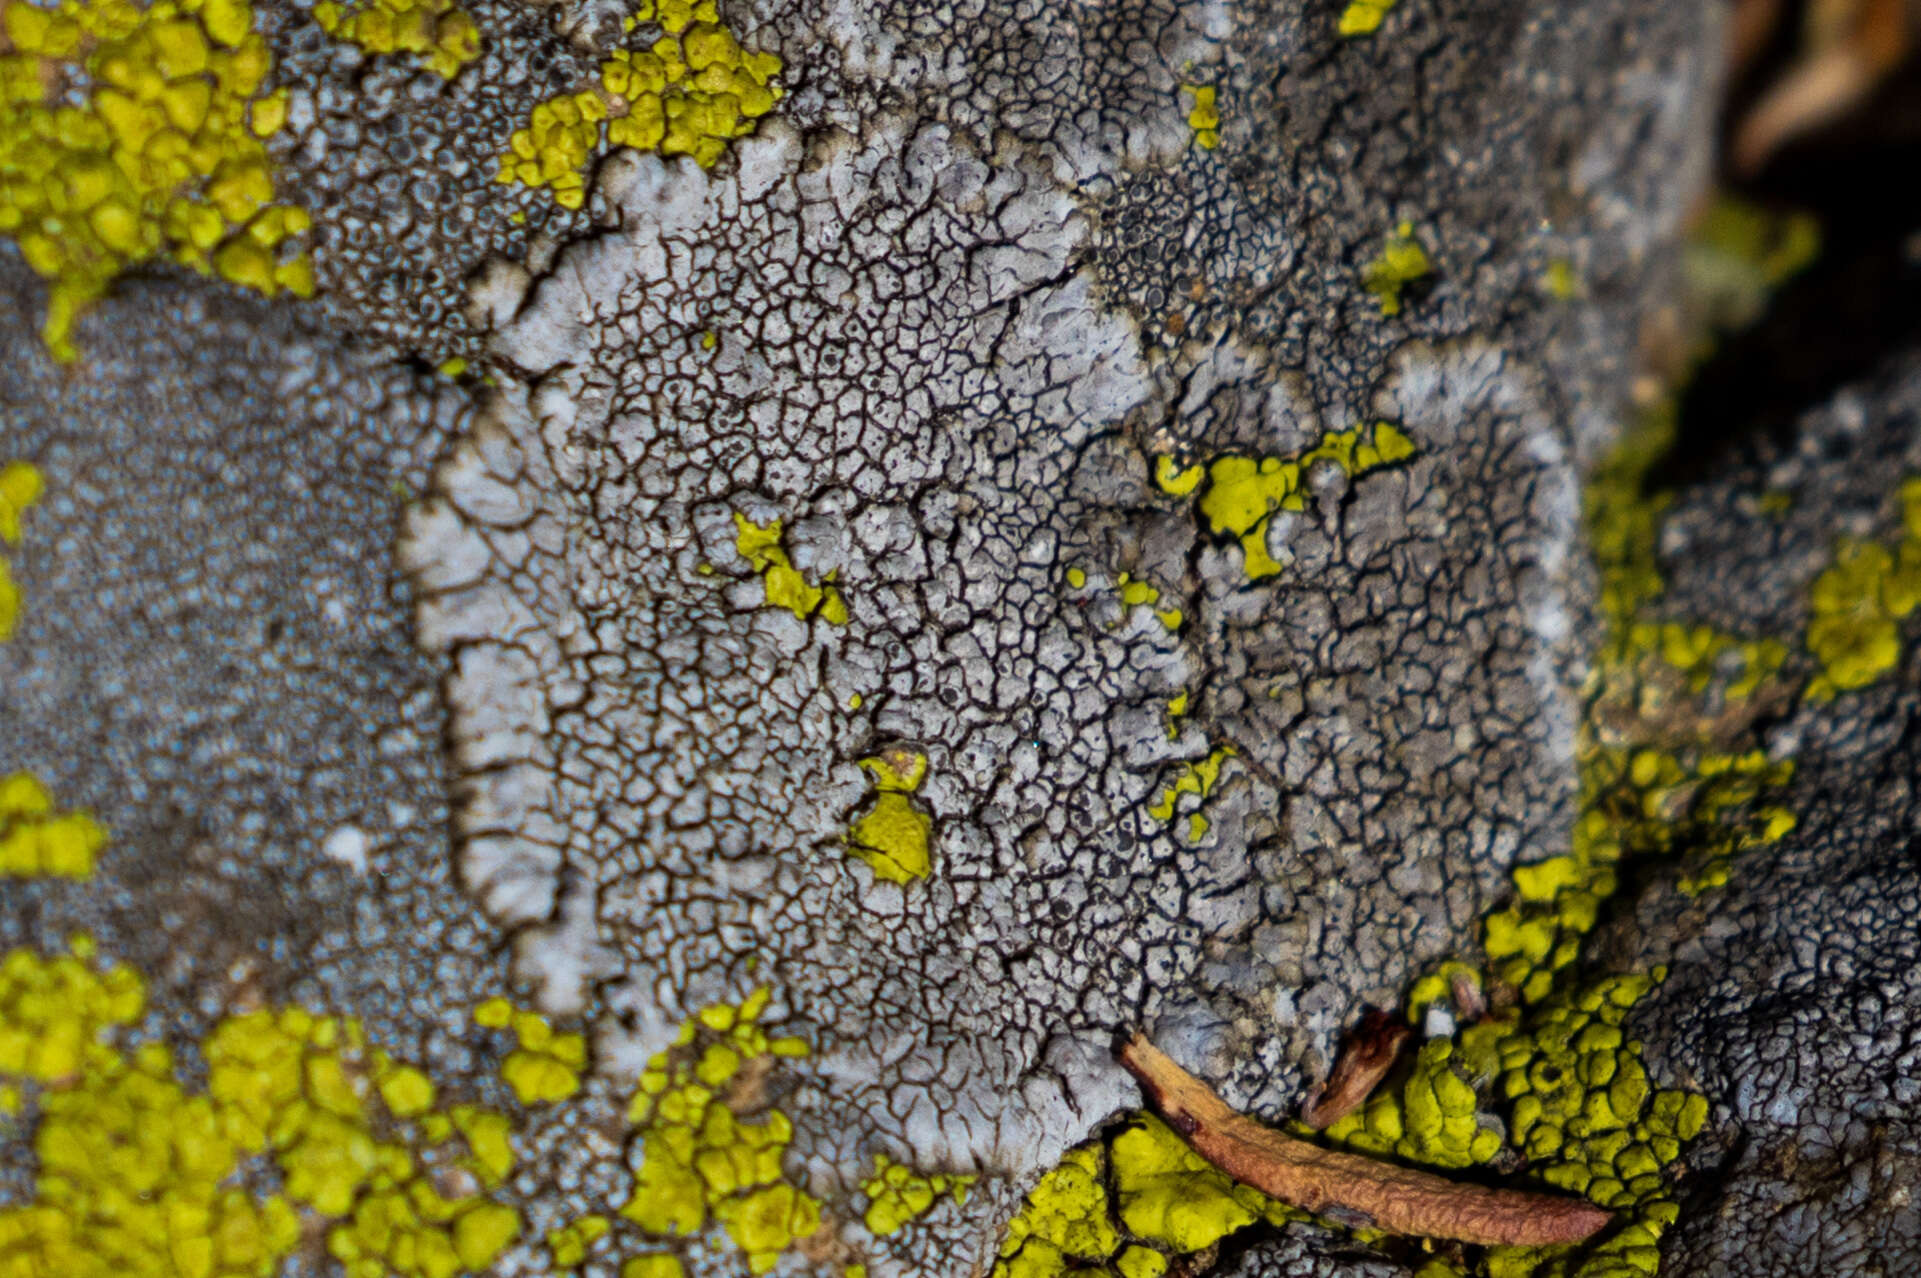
36, 841
690, 92
129, 133
1400, 262
894, 835
1204, 118
786, 588
699, 1157
1198, 779
1364, 17
438, 32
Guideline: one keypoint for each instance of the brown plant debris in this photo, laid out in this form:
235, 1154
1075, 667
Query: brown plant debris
1367, 1054
1398, 1199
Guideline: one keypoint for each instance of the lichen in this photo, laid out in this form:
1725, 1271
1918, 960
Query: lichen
1198, 779
1203, 117
1164, 1201
1400, 262
785, 587
135, 1175
894, 834
37, 841
1364, 17
1859, 601
897, 1194
438, 32
129, 134
690, 92
1242, 494
545, 1066
20, 488
707, 1147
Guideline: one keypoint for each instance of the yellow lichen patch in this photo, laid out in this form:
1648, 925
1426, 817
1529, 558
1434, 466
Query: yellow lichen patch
546, 1066
569, 1244
1176, 711
786, 588
1242, 493
136, 1176
1559, 280
690, 92
1165, 1193
1634, 803
1135, 594
1858, 603
129, 133
438, 32
20, 487
1165, 1201
708, 1145
1198, 779
1364, 17
37, 841
1400, 262
897, 1194
1203, 117
894, 836
654, 1265
1065, 1224
1578, 1105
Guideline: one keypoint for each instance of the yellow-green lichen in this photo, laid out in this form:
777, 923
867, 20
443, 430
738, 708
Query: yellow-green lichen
438, 32
1241, 494
1364, 17
1198, 779
36, 841
129, 133
1400, 262
897, 1194
569, 1244
1859, 601
894, 836
137, 1176
1204, 116
1559, 280
658, 1264
1165, 1200
690, 92
546, 1066
709, 1147
20, 487
1578, 1106
1136, 594
785, 587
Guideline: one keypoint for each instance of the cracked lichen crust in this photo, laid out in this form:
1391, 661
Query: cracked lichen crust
918, 354
938, 321
1793, 1000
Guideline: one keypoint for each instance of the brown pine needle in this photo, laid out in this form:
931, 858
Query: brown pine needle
1397, 1199
1367, 1054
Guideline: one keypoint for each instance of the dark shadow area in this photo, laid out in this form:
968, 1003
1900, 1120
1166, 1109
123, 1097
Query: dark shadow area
1835, 322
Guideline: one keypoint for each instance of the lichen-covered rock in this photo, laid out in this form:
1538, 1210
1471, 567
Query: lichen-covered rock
983, 525
1794, 994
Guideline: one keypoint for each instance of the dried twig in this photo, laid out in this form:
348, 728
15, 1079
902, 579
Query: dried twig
1367, 1054
1398, 1199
